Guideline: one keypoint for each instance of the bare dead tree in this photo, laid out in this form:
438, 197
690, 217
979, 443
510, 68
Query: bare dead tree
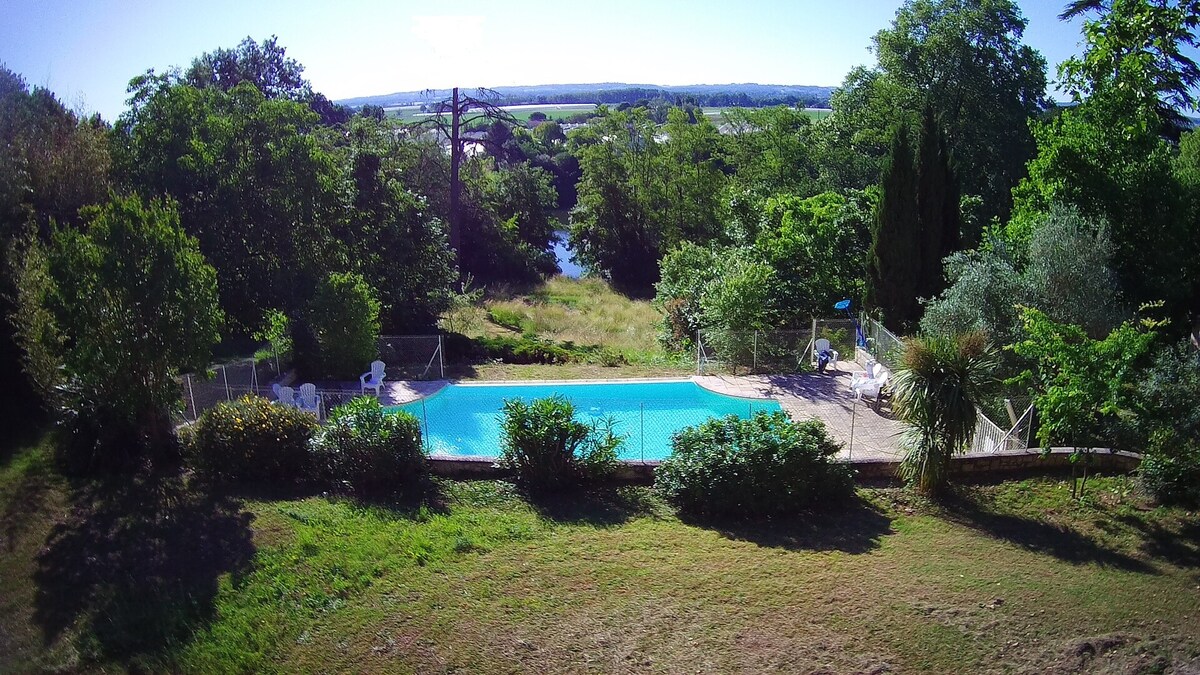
457, 109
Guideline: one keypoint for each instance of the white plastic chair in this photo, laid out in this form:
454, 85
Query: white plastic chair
821, 345
307, 400
372, 379
871, 386
286, 395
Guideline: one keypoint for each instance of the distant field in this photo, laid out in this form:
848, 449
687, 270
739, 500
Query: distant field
521, 112
561, 111
714, 114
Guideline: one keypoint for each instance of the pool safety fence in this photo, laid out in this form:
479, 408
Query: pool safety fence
644, 427
200, 395
739, 352
883, 345
413, 357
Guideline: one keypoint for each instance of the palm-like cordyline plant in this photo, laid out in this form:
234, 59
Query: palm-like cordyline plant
936, 393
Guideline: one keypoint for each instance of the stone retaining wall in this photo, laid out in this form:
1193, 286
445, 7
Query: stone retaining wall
866, 470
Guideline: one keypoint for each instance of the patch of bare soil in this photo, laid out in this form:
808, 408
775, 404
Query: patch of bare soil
1121, 654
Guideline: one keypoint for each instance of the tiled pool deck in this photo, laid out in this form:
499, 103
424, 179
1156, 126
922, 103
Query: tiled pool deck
863, 432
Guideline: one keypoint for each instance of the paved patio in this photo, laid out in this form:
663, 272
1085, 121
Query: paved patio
863, 432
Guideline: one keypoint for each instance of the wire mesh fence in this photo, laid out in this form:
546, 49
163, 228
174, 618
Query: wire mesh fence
733, 352
645, 426
413, 357
882, 343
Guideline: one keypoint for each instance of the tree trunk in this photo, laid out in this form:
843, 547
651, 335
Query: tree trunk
455, 182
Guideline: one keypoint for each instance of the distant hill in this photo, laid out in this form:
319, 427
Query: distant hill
619, 92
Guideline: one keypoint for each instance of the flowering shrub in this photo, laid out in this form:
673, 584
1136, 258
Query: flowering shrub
252, 440
369, 452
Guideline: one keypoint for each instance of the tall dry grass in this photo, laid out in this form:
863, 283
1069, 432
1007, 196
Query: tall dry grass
583, 311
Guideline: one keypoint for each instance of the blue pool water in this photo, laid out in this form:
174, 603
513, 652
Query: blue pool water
464, 419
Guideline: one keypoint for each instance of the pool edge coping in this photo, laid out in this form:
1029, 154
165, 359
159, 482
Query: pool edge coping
694, 379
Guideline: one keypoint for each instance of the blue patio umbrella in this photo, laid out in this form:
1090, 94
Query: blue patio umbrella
844, 306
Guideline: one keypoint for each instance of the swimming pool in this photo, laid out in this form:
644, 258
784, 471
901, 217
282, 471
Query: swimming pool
463, 419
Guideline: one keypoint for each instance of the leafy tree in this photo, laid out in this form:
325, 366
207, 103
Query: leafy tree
390, 237
1169, 424
507, 231
344, 317
1110, 157
1136, 50
611, 226
770, 150
985, 287
1066, 273
851, 144
640, 196
815, 247
52, 163
250, 179
1083, 386
738, 303
133, 303
936, 393
687, 273
967, 61
269, 69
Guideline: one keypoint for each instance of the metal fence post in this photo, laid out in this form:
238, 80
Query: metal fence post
697, 351
275, 353
812, 341
853, 415
192, 398
425, 419
225, 376
441, 358
754, 357
643, 407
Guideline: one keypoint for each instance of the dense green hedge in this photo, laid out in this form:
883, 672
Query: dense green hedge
252, 440
368, 452
766, 465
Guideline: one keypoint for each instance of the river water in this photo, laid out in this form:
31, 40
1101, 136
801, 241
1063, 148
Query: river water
562, 253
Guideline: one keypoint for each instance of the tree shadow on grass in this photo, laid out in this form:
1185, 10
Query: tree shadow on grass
138, 561
854, 526
1050, 539
1181, 548
598, 507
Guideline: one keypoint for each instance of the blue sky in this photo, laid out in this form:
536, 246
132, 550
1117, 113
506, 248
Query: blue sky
87, 50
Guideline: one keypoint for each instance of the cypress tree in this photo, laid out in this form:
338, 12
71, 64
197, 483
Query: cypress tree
894, 264
938, 210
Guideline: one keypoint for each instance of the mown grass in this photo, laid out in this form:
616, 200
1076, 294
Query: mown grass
1006, 577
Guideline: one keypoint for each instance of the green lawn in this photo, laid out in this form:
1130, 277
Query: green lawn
1011, 577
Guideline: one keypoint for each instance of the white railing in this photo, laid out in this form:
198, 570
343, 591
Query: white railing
991, 438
